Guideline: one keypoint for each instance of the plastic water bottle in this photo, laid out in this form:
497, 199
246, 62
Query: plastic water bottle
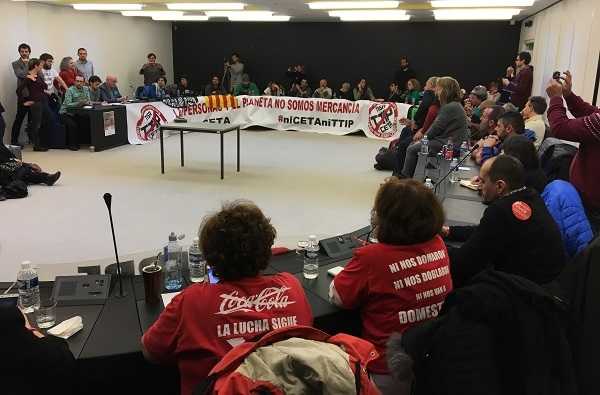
173, 277
310, 269
425, 145
454, 175
428, 183
464, 148
449, 153
29, 288
197, 263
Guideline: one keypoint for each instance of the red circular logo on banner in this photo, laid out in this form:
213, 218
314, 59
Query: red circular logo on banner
383, 119
521, 210
147, 125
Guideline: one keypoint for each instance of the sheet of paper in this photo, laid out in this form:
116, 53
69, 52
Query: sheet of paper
168, 297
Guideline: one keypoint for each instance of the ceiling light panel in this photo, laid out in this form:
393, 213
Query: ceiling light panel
370, 15
481, 3
205, 6
171, 14
475, 14
189, 18
107, 7
349, 5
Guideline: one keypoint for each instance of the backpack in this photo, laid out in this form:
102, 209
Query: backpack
555, 158
291, 356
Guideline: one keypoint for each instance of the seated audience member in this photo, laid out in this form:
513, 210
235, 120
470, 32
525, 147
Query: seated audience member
428, 98
584, 129
450, 124
77, 95
493, 91
516, 234
412, 94
533, 114
302, 89
323, 91
37, 102
509, 124
274, 89
68, 71
488, 123
473, 105
565, 206
237, 245
246, 87
109, 92
214, 88
94, 85
295, 75
14, 170
156, 91
363, 91
407, 221
84, 65
152, 70
523, 149
183, 88
509, 107
25, 346
345, 92
394, 96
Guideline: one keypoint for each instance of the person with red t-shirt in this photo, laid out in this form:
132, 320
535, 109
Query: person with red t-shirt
205, 321
68, 71
403, 279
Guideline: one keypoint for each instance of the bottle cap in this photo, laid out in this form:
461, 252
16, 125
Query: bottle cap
25, 264
196, 239
312, 237
172, 236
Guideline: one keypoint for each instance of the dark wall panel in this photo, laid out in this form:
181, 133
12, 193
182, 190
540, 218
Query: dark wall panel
472, 52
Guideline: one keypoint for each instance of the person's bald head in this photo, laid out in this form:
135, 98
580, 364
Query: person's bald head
501, 175
111, 80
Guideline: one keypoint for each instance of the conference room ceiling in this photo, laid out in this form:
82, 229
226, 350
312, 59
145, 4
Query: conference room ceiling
299, 11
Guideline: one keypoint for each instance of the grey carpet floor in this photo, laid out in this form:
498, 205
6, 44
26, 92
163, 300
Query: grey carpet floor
308, 183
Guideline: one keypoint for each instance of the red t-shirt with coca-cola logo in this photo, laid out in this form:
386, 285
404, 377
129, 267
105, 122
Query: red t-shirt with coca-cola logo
395, 287
205, 321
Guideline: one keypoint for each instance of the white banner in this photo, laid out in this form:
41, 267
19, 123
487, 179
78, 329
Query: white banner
377, 120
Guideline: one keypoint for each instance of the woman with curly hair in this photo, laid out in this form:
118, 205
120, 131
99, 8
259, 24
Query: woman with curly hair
205, 321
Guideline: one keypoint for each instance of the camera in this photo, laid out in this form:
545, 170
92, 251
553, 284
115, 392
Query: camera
556, 76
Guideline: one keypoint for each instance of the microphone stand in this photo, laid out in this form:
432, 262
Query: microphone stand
460, 162
108, 200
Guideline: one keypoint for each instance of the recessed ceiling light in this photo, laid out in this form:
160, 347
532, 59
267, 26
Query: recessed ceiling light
107, 7
371, 15
181, 18
481, 3
205, 6
349, 5
152, 13
475, 14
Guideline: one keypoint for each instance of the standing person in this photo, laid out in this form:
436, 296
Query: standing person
323, 91
68, 71
521, 84
20, 68
37, 101
295, 75
152, 70
2, 124
584, 129
450, 124
405, 73
51, 76
237, 243
84, 66
236, 71
386, 280
363, 91
214, 88
77, 95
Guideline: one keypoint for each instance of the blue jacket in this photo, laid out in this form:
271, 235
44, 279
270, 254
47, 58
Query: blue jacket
564, 204
490, 152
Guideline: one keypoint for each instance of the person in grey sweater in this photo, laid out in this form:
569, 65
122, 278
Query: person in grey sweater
236, 70
450, 124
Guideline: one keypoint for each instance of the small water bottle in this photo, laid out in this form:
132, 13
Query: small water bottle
197, 263
428, 183
464, 148
449, 153
173, 277
425, 145
310, 270
29, 288
454, 175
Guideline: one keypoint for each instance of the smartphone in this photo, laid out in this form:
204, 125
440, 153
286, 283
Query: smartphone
556, 76
9, 300
212, 279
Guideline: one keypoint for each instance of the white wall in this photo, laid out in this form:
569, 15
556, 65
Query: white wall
567, 37
116, 44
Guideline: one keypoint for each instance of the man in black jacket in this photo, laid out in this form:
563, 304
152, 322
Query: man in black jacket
516, 234
404, 74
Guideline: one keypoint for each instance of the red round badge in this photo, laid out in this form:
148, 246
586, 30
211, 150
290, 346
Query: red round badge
521, 210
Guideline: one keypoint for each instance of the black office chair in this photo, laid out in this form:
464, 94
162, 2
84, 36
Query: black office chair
138, 92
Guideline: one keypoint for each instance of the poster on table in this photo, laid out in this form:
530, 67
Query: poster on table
377, 120
109, 123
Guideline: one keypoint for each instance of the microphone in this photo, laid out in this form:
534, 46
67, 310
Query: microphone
108, 200
460, 162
